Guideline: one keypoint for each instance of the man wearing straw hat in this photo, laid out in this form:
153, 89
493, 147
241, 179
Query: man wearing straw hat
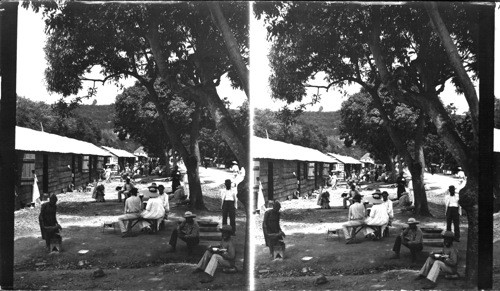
444, 261
222, 255
412, 238
188, 231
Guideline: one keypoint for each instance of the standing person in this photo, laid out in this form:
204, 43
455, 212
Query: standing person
355, 217
108, 174
188, 231
445, 261
401, 183
412, 238
273, 234
452, 210
164, 199
48, 221
133, 208
223, 255
176, 178
229, 204
332, 180
390, 209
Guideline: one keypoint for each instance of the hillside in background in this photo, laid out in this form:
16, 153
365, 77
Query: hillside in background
325, 123
102, 116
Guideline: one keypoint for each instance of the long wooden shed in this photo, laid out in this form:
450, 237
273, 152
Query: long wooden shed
59, 163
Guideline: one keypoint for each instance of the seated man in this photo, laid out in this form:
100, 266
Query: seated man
445, 261
412, 238
150, 192
405, 202
154, 211
378, 217
188, 231
273, 235
133, 208
356, 217
125, 190
223, 255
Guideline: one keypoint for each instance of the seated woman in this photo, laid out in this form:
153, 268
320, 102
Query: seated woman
49, 225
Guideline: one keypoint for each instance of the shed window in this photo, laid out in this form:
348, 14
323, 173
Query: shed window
100, 162
28, 166
80, 163
310, 171
85, 164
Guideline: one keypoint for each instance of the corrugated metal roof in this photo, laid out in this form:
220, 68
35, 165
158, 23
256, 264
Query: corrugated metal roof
345, 159
367, 159
119, 153
271, 149
38, 141
140, 152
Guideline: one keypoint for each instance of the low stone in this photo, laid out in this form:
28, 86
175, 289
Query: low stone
320, 280
98, 273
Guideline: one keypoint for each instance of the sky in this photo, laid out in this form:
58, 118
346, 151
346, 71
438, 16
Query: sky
330, 100
31, 65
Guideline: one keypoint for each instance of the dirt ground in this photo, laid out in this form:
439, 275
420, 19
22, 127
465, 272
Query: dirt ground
142, 262
365, 265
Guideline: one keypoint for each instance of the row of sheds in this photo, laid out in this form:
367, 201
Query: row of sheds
284, 168
58, 162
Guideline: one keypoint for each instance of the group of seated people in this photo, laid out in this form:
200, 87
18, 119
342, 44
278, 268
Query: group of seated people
157, 209
381, 214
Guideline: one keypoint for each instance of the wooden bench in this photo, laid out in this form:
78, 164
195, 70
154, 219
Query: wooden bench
376, 228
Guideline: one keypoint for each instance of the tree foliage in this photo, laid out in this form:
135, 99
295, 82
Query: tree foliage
53, 119
285, 126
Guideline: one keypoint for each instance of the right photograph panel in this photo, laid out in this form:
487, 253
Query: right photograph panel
365, 145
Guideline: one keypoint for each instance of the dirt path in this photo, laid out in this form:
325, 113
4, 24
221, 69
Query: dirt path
365, 265
139, 262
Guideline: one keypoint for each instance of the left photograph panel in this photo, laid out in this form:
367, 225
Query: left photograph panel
131, 147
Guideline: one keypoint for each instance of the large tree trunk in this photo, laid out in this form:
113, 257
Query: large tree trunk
417, 176
456, 62
193, 162
417, 170
466, 157
468, 201
416, 164
232, 46
195, 192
